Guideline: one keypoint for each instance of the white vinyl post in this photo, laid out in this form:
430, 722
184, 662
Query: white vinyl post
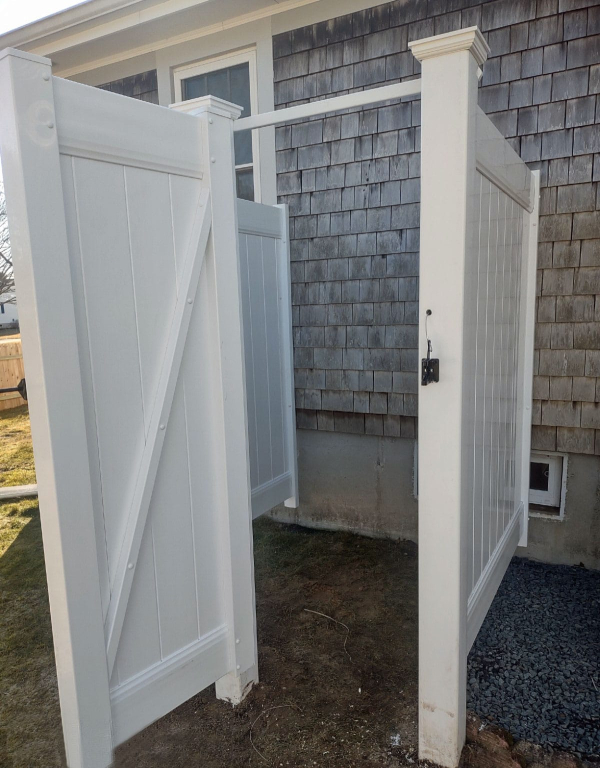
289, 392
527, 323
32, 177
216, 117
449, 79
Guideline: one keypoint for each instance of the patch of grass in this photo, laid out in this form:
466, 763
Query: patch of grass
30, 732
16, 452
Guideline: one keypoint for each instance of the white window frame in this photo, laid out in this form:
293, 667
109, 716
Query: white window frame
557, 485
223, 61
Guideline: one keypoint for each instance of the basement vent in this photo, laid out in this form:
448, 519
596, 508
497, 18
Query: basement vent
547, 481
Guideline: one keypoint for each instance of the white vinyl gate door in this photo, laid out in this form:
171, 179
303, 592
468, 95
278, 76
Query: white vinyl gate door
479, 215
124, 226
267, 322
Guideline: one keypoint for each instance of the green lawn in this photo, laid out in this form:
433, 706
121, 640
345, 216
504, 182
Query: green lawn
30, 731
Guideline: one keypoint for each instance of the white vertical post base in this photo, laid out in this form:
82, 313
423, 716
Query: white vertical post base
235, 687
292, 503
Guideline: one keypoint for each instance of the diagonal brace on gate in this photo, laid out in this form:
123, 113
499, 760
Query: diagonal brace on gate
150, 459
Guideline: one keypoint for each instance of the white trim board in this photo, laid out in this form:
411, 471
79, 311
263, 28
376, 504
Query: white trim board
104, 31
44, 37
224, 61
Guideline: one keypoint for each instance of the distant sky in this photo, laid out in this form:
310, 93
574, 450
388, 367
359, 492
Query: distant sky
15, 14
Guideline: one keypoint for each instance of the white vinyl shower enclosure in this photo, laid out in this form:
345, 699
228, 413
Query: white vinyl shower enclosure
157, 439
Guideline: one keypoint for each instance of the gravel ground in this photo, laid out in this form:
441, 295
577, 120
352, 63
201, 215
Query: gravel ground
534, 668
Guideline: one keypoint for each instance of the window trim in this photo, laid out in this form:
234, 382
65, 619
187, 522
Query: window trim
224, 61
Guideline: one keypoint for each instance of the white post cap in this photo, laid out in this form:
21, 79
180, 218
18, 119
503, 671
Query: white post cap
469, 39
205, 104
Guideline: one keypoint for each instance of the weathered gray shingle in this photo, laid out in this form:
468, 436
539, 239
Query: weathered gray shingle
352, 183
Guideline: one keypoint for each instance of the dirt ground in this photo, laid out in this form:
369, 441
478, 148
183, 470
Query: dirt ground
337, 636
328, 695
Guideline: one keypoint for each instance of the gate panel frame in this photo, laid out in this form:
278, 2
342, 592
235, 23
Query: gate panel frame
270, 223
94, 721
31, 168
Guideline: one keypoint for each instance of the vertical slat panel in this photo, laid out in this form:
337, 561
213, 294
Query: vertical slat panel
480, 342
155, 286
494, 286
266, 310
172, 534
505, 373
109, 298
249, 357
153, 267
508, 428
287, 351
83, 343
199, 378
140, 644
488, 376
259, 348
499, 370
470, 393
274, 394
200, 372
493, 441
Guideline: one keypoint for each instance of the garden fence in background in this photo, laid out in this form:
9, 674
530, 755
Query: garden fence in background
11, 372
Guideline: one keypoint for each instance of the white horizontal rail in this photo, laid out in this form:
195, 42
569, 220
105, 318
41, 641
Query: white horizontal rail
500, 164
334, 104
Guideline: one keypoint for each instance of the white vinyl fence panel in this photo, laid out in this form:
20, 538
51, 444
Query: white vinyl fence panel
264, 270
138, 416
477, 284
498, 328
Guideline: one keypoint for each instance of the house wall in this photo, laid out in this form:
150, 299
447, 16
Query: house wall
143, 86
352, 183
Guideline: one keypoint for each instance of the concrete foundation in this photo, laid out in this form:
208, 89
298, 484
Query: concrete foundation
575, 539
358, 483
365, 484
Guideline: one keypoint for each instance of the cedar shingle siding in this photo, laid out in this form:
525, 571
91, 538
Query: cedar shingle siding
143, 86
352, 184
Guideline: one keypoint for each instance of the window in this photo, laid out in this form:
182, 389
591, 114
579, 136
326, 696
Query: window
547, 479
232, 78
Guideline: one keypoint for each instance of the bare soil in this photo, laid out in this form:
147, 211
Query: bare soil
328, 695
337, 635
